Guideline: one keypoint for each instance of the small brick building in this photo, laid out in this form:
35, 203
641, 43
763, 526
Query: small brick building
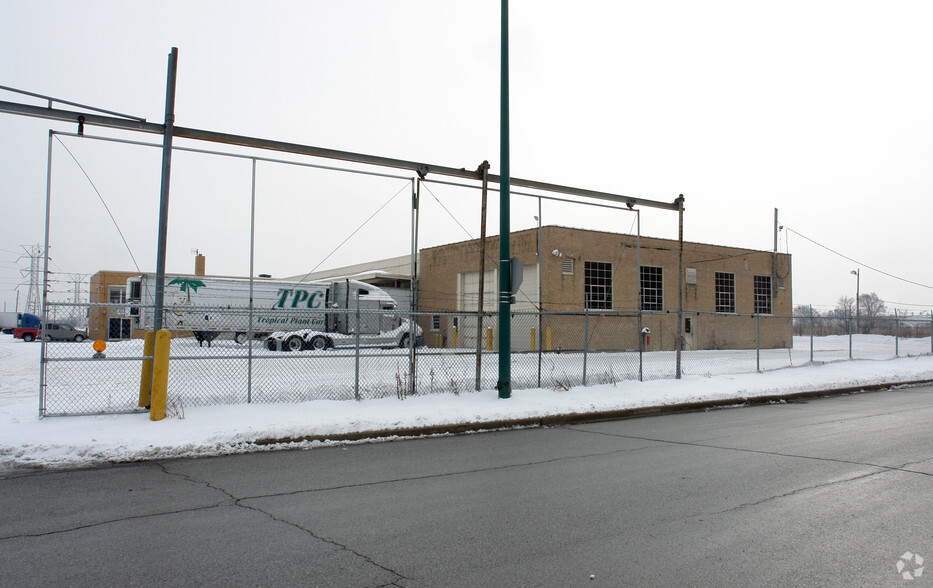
731, 296
109, 322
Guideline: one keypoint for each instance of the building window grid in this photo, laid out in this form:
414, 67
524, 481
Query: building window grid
597, 280
762, 294
725, 292
652, 288
116, 295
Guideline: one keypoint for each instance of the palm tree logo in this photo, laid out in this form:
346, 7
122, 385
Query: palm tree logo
187, 285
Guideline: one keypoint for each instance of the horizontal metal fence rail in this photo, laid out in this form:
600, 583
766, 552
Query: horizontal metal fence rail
370, 357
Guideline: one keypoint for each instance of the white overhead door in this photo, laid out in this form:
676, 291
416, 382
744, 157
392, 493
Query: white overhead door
526, 300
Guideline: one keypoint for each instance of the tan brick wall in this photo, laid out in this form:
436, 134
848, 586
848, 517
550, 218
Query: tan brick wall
99, 318
440, 266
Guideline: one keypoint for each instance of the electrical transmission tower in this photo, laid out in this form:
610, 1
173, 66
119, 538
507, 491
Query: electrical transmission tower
33, 296
77, 316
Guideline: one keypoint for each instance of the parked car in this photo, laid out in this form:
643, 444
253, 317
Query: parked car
53, 332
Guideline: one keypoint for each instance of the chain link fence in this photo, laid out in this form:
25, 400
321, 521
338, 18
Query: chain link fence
365, 354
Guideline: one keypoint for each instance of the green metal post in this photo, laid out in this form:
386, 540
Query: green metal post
504, 384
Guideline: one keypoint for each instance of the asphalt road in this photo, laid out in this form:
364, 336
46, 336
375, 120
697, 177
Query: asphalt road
831, 492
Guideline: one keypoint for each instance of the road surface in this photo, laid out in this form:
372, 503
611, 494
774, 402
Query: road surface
832, 492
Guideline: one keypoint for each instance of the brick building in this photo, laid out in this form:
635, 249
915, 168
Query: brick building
109, 322
597, 290
624, 287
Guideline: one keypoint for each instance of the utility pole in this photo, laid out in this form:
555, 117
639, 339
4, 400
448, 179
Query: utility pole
484, 169
774, 276
504, 384
166, 180
858, 277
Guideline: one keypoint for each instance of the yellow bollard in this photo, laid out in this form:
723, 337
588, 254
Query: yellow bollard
145, 379
547, 338
455, 338
488, 339
163, 344
533, 338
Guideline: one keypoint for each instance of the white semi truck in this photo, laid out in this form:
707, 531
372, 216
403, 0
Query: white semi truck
289, 316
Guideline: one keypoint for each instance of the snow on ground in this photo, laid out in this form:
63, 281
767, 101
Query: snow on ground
27, 441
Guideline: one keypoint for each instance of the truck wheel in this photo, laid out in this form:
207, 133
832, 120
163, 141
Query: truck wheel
272, 344
240, 338
404, 341
294, 343
319, 343
29, 337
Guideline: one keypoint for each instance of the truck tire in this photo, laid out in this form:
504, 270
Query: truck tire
294, 343
320, 343
403, 342
29, 337
272, 344
240, 338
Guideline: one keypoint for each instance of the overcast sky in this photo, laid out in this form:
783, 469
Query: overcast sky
820, 109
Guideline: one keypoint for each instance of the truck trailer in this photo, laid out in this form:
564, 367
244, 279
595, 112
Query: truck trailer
10, 321
287, 315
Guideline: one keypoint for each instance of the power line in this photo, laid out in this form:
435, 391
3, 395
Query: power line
855, 261
357, 230
107, 208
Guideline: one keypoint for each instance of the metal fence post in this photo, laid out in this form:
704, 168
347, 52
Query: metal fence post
356, 381
586, 340
412, 352
896, 335
252, 259
641, 348
811, 333
540, 334
849, 329
757, 342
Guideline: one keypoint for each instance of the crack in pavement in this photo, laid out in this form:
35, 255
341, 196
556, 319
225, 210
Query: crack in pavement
902, 468
111, 521
238, 502
447, 474
796, 491
880, 469
235, 501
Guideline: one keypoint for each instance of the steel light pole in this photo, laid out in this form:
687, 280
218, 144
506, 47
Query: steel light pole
504, 385
856, 273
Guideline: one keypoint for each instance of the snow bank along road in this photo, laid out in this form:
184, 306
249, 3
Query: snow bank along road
834, 491
27, 442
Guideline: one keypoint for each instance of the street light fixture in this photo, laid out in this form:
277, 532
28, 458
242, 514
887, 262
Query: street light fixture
856, 273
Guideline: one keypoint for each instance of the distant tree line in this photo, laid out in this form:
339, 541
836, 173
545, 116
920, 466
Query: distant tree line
871, 317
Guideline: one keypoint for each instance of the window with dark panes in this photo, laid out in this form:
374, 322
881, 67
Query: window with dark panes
597, 284
652, 288
725, 292
762, 294
116, 295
